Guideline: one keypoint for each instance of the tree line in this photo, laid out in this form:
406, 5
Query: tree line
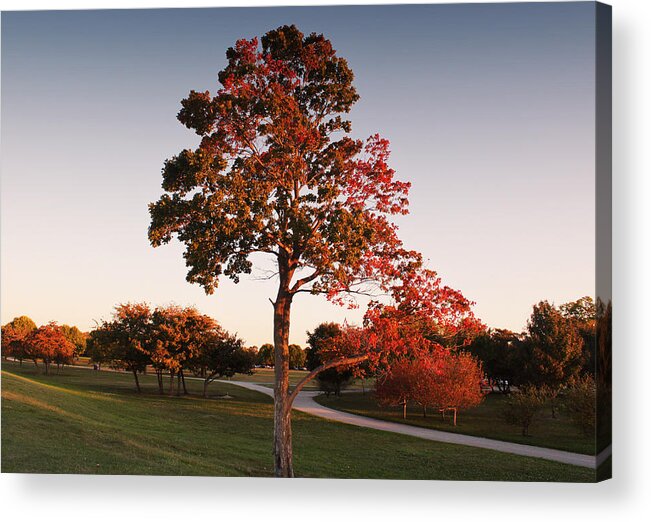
553, 362
51, 343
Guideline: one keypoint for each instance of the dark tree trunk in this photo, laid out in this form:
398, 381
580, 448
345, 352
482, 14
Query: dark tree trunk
135, 376
424, 411
205, 388
159, 377
178, 384
171, 389
283, 465
404, 409
185, 390
47, 367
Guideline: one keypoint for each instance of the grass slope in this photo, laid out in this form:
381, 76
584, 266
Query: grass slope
87, 422
483, 421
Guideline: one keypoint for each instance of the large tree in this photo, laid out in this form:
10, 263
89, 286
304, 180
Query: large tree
554, 350
277, 173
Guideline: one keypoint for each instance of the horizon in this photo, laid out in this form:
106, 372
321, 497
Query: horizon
462, 131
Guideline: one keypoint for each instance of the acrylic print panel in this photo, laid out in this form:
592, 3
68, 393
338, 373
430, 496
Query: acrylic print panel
250, 241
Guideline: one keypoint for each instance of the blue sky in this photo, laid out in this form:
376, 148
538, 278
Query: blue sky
489, 109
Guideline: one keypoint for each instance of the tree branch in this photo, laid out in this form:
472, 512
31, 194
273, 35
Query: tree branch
326, 366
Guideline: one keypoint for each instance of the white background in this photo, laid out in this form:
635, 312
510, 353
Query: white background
626, 497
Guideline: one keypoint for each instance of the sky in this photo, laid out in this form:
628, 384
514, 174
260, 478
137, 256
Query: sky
489, 109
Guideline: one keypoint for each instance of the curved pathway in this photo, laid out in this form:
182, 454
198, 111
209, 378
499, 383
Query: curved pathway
305, 402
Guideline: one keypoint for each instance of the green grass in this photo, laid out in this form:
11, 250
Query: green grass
93, 422
483, 421
262, 376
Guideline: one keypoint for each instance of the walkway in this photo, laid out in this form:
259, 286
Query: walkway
305, 402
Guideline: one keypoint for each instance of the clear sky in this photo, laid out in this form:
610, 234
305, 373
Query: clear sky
489, 109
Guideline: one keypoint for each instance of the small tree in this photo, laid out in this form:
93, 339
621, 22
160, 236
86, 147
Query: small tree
222, 355
580, 400
457, 383
522, 408
396, 385
49, 344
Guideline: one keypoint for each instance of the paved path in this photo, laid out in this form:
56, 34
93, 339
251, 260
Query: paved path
305, 402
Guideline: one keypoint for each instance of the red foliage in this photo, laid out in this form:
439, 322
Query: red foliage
49, 344
441, 380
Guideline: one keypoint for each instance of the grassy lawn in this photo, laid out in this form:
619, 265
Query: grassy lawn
483, 421
93, 422
263, 376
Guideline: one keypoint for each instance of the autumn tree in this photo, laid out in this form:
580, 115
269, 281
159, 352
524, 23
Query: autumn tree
14, 334
443, 379
277, 174
122, 341
582, 314
49, 344
177, 336
457, 383
76, 337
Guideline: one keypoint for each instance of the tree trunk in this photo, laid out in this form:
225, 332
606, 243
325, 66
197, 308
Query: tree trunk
178, 384
185, 390
424, 411
283, 465
135, 376
47, 367
454, 423
205, 388
404, 409
171, 389
159, 377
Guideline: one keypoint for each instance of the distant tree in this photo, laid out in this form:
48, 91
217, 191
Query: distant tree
49, 344
521, 408
332, 380
266, 355
177, 336
500, 352
222, 355
580, 400
555, 350
98, 347
296, 356
14, 334
76, 337
122, 341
